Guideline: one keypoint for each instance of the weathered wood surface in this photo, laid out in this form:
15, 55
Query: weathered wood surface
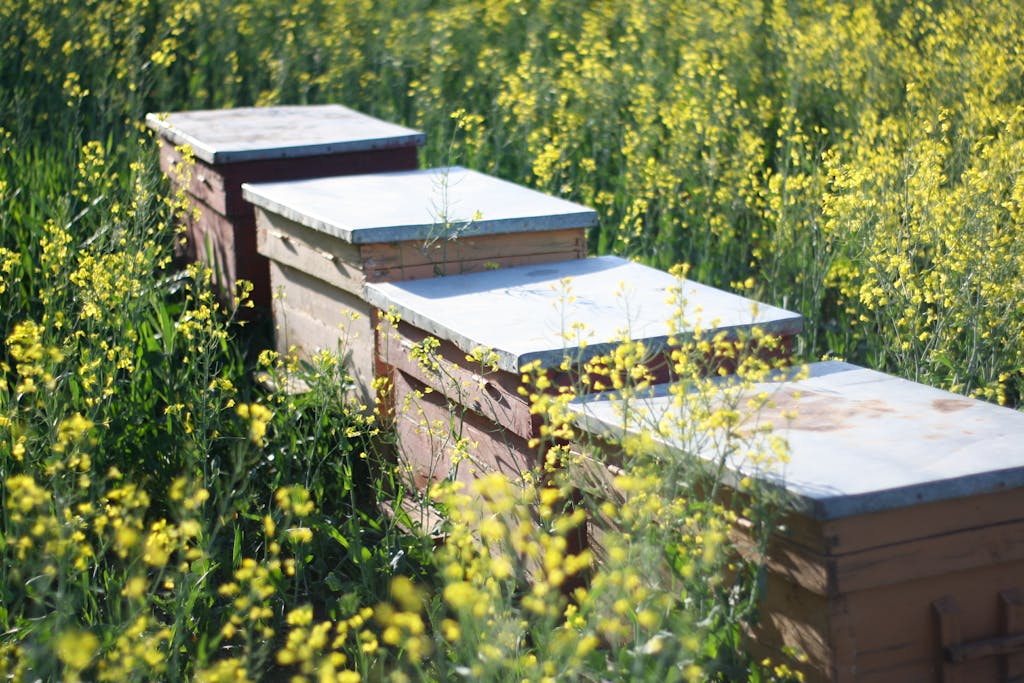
794, 617
964, 551
315, 267
893, 633
1012, 622
233, 146
862, 532
492, 394
836, 574
311, 315
350, 266
429, 428
228, 246
410, 260
329, 260
877, 624
522, 304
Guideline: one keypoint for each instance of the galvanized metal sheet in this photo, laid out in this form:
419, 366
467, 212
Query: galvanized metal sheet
427, 204
528, 313
224, 136
862, 441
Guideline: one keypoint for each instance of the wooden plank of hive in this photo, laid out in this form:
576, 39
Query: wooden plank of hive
320, 256
390, 261
428, 428
494, 394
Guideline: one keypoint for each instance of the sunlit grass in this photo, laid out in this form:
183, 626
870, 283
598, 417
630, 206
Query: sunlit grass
165, 515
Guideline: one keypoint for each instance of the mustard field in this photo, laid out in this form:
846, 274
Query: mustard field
167, 516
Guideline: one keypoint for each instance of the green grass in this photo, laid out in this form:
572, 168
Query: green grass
858, 163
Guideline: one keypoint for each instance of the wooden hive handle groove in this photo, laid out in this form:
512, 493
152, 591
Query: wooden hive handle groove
1009, 645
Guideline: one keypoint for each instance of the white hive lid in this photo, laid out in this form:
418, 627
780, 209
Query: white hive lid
416, 205
521, 313
224, 136
863, 441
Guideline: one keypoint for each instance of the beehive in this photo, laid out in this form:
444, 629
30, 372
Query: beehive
254, 144
903, 555
326, 238
521, 316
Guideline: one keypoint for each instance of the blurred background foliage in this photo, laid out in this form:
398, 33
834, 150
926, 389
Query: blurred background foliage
859, 160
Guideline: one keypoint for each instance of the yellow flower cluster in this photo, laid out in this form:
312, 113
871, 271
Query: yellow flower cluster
111, 523
314, 650
856, 162
8, 261
493, 543
942, 288
513, 557
259, 417
33, 361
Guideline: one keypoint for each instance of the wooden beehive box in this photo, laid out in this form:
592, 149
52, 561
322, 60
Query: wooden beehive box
326, 238
256, 144
523, 315
903, 555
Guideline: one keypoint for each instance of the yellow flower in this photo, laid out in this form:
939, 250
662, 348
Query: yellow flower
301, 616
134, 588
404, 591
300, 534
460, 595
76, 648
259, 417
450, 629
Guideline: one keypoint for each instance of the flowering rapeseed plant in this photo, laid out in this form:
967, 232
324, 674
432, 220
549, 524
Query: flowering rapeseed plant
853, 161
617, 559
